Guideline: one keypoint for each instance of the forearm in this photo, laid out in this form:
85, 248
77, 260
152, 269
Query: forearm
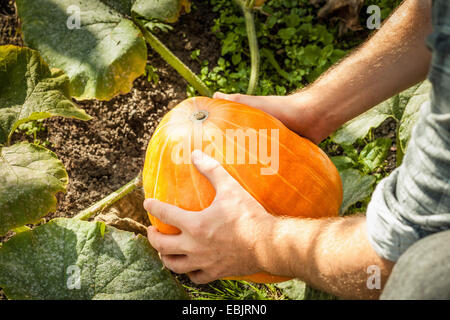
330, 254
395, 58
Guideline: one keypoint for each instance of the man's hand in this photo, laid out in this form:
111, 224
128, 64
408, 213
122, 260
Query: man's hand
219, 241
236, 236
297, 111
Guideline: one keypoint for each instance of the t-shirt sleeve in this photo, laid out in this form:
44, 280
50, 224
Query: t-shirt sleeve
414, 200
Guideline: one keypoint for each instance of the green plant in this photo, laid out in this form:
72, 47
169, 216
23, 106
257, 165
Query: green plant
45, 262
403, 108
247, 9
235, 290
28, 171
32, 129
152, 74
358, 171
287, 30
101, 45
368, 160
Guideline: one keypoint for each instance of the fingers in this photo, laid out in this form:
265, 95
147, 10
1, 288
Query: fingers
177, 263
240, 98
212, 170
167, 213
165, 244
200, 277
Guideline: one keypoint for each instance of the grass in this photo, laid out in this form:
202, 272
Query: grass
235, 290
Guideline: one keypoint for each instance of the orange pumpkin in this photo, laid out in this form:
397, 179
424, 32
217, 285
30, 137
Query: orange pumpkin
289, 175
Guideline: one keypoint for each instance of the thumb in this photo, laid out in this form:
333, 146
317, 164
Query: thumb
212, 170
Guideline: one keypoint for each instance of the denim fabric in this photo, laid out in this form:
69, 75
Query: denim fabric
422, 272
414, 201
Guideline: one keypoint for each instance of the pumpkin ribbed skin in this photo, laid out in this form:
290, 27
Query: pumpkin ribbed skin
305, 184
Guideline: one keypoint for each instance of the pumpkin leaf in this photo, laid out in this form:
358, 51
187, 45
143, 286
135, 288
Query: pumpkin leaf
292, 289
342, 162
356, 186
73, 259
162, 10
30, 176
375, 152
100, 50
31, 91
298, 290
402, 107
410, 114
121, 6
358, 127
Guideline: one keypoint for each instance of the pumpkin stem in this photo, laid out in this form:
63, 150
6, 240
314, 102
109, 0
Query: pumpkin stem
247, 9
200, 115
110, 199
173, 61
254, 51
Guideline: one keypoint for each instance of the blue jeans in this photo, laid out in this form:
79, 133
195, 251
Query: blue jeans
422, 272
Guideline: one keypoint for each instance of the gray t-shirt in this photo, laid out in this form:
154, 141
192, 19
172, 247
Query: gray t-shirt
414, 201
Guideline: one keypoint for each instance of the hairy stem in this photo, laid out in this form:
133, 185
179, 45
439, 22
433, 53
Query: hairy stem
173, 61
21, 229
109, 199
253, 44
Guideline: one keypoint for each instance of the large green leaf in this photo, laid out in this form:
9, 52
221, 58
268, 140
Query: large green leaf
298, 290
30, 91
102, 57
402, 107
293, 289
163, 10
73, 259
410, 114
358, 127
121, 6
342, 162
356, 186
30, 176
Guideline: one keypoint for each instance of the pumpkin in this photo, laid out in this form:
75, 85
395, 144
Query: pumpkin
288, 175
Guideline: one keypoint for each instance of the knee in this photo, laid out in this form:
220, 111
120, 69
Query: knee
423, 271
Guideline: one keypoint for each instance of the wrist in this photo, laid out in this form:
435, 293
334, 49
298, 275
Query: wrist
273, 250
314, 115
265, 244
